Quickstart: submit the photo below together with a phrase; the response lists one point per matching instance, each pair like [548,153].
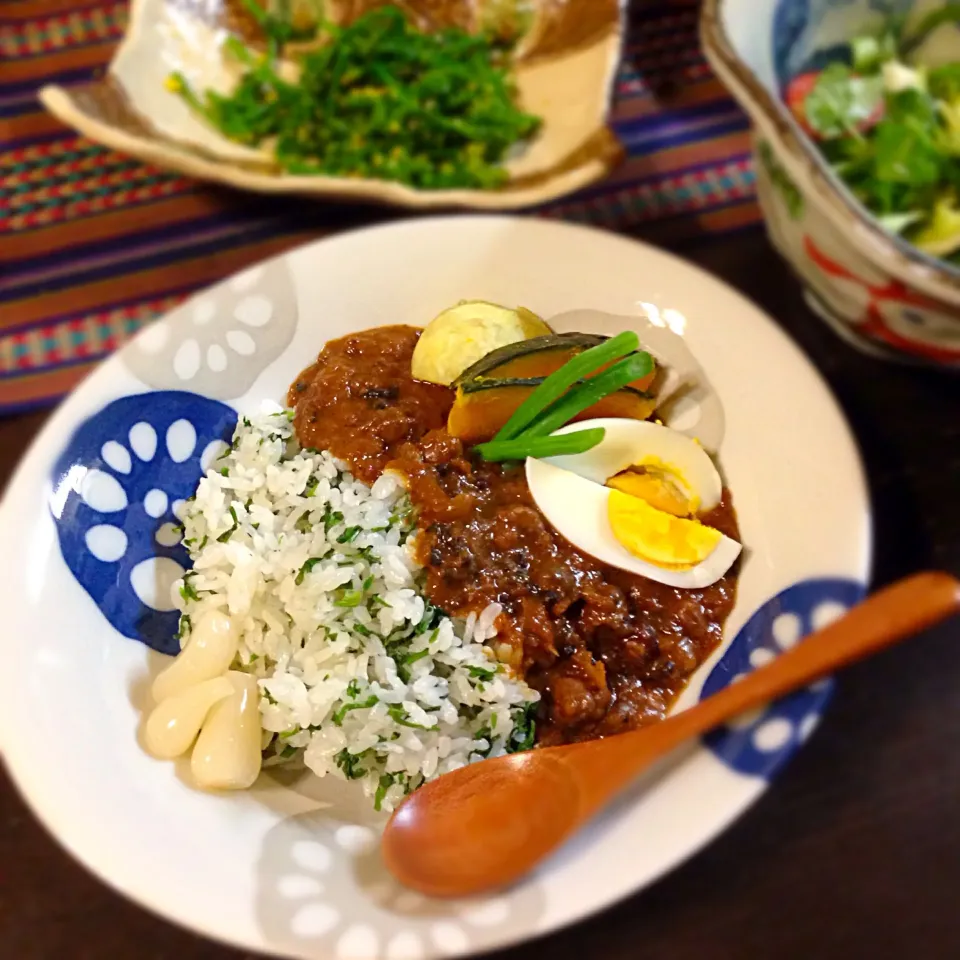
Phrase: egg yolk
[658,536]
[661,484]
[657,490]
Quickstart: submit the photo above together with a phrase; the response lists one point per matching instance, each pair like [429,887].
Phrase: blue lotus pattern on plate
[759,743]
[115,491]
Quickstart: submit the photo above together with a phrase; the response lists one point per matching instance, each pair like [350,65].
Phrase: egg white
[626,442]
[571,493]
[577,509]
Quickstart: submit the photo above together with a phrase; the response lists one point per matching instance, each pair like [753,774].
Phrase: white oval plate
[292,868]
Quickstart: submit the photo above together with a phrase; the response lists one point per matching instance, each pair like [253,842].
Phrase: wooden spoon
[487,824]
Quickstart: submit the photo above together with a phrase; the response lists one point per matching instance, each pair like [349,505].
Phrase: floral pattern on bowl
[875,290]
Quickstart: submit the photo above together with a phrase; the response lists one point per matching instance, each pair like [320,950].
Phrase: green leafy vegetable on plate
[375,99]
[889,124]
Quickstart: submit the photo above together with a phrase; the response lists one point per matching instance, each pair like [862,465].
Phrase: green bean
[569,443]
[588,393]
[561,380]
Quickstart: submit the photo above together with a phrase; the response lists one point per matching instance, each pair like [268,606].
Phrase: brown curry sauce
[608,650]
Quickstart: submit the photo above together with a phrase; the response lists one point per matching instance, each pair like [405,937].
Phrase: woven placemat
[94,244]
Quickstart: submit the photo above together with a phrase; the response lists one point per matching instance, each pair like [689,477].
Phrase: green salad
[889,124]
[375,99]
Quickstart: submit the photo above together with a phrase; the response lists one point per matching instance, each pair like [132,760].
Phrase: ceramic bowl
[565,71]
[877,291]
[291,867]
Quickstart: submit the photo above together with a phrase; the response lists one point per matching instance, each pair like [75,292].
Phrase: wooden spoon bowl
[487,824]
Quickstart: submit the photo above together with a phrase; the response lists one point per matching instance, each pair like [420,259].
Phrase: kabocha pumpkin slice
[533,357]
[537,357]
[483,406]
[462,335]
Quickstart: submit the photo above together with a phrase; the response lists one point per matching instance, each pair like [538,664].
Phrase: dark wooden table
[853,853]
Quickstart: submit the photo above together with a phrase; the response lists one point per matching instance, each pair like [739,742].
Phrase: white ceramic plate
[292,868]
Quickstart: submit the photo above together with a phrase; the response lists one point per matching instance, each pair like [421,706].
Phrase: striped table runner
[94,244]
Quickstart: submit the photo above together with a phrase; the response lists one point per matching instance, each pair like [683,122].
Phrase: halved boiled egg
[632,502]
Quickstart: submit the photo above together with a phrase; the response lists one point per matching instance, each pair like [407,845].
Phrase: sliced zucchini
[483,405]
[460,336]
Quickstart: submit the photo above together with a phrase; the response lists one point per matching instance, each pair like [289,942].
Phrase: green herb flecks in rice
[361,678]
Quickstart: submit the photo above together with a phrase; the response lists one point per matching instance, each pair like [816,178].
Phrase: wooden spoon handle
[485,825]
[890,615]
[901,610]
